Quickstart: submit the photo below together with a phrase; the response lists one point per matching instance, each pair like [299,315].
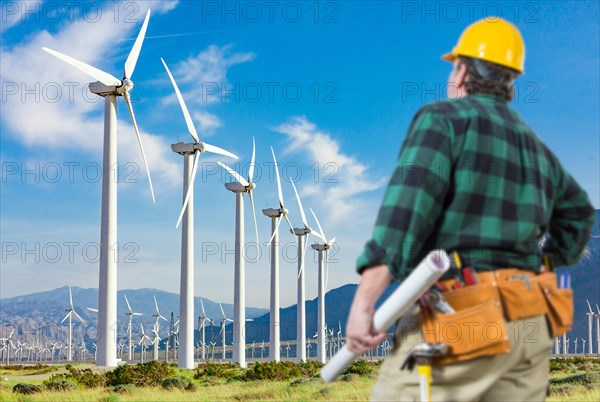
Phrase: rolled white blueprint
[413,287]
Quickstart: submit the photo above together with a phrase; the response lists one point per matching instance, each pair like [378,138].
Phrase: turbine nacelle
[301,231]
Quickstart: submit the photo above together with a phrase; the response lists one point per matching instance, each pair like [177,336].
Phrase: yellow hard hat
[491,39]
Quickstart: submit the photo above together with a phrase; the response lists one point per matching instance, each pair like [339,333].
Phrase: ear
[461,75]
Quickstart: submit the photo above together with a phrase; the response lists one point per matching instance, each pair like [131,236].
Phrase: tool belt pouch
[477,328]
[522,299]
[559,304]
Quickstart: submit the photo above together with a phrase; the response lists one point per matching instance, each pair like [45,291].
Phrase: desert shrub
[85,378]
[349,377]
[226,370]
[150,374]
[124,388]
[299,382]
[35,367]
[26,389]
[281,371]
[179,382]
[109,398]
[60,385]
[360,367]
[563,390]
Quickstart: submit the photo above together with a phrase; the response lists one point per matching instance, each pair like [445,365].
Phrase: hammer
[423,354]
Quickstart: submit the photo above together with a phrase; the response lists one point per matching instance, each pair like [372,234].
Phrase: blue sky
[332,86]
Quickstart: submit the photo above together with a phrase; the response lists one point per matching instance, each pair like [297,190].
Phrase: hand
[360,334]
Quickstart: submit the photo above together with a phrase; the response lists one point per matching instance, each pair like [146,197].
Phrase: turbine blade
[299,204]
[94,310]
[251,168]
[276,230]
[279,193]
[184,109]
[70,297]
[67,316]
[202,305]
[142,328]
[162,318]
[321,233]
[217,150]
[137,47]
[254,217]
[137,313]
[190,188]
[289,223]
[589,306]
[139,138]
[235,174]
[330,242]
[105,78]
[128,305]
[156,305]
[77,315]
[222,312]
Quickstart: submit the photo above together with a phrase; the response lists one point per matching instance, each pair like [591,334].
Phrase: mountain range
[41,312]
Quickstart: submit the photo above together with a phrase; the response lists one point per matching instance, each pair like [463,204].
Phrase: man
[472,177]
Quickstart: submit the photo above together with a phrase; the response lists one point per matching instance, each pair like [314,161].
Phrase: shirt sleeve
[414,197]
[571,222]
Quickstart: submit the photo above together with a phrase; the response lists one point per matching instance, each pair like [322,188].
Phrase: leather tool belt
[478,325]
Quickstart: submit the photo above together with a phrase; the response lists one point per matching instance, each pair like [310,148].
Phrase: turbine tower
[239,285]
[110,87]
[590,328]
[224,322]
[191,153]
[275,214]
[322,249]
[302,234]
[202,327]
[157,316]
[597,330]
[70,313]
[130,313]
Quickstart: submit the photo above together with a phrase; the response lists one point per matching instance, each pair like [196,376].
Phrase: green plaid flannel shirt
[473,177]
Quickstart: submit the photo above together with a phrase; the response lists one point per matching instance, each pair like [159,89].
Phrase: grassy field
[572,379]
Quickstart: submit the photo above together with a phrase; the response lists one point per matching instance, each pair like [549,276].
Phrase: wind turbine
[322,248]
[156,328]
[110,87]
[70,312]
[239,284]
[202,327]
[130,314]
[224,321]
[191,154]
[590,327]
[598,330]
[275,214]
[8,343]
[302,234]
[142,343]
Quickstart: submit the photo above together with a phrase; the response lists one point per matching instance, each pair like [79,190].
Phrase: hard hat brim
[449,57]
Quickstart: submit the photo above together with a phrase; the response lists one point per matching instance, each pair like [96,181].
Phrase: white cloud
[208,123]
[46,103]
[202,78]
[14,12]
[349,178]
[207,71]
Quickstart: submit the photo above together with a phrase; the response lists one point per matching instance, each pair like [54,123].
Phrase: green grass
[574,379]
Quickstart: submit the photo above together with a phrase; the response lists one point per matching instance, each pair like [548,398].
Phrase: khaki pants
[521,375]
